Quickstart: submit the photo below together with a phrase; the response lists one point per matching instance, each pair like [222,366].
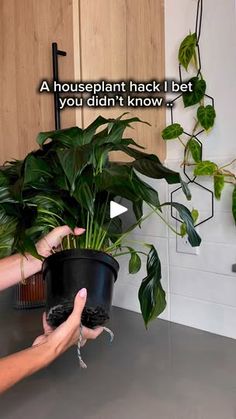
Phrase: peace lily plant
[70,180]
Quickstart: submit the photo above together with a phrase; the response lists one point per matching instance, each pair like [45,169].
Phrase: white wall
[201,290]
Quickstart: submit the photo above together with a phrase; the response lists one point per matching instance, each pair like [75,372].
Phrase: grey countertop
[167,372]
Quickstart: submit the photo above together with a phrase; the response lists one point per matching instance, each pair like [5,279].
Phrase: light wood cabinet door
[104,39]
[27,30]
[122,40]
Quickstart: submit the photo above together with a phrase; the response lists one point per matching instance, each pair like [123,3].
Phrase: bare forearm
[16,367]
[12,267]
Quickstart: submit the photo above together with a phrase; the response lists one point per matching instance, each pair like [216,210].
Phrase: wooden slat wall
[27,29]
[104,39]
[124,39]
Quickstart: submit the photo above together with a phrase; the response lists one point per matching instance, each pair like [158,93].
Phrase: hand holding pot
[68,333]
[53,239]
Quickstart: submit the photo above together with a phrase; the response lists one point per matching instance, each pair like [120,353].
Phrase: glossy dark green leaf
[145,191]
[134,262]
[117,179]
[154,169]
[69,137]
[172,131]
[151,294]
[73,161]
[193,97]
[195,149]
[219,183]
[234,203]
[186,50]
[35,169]
[206,116]
[205,168]
[185,215]
[89,132]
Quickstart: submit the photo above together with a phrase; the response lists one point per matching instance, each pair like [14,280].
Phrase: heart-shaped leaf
[134,262]
[186,50]
[206,116]
[193,97]
[172,131]
[205,168]
[195,149]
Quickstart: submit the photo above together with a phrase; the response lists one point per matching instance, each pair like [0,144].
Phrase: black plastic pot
[68,271]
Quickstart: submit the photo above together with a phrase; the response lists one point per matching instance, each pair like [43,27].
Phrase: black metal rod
[55,53]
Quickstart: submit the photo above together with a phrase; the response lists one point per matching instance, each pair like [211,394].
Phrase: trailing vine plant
[189,57]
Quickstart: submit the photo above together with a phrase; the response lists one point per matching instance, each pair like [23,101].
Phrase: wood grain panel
[121,40]
[27,29]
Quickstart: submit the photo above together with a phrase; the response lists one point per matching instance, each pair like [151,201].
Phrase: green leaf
[8,225]
[69,137]
[145,191]
[172,131]
[195,149]
[197,93]
[151,294]
[5,195]
[84,196]
[185,215]
[219,183]
[206,116]
[134,262]
[117,179]
[73,161]
[186,50]
[151,167]
[35,168]
[234,203]
[88,133]
[138,209]
[195,215]
[186,190]
[183,229]
[205,168]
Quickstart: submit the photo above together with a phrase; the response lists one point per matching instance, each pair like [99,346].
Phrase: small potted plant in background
[70,180]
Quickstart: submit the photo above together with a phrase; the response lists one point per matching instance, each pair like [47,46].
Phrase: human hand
[68,333]
[53,239]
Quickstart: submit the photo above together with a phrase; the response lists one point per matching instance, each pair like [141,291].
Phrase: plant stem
[166,222]
[181,141]
[228,164]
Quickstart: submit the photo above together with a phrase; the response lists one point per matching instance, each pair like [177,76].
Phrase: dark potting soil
[91,317]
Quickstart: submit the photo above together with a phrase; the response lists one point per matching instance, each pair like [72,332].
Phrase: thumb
[79,303]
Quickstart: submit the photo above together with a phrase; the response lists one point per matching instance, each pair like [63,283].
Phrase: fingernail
[83,292]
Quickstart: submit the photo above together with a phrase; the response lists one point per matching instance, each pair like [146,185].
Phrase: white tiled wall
[201,289]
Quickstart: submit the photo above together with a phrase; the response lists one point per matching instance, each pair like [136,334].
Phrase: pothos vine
[189,57]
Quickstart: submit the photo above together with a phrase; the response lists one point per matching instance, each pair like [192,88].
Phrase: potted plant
[70,180]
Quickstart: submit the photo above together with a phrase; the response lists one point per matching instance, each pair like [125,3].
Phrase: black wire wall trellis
[198,30]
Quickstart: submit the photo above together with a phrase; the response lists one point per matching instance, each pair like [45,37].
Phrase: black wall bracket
[55,53]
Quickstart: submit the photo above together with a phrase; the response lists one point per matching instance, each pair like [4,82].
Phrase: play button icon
[116,209]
